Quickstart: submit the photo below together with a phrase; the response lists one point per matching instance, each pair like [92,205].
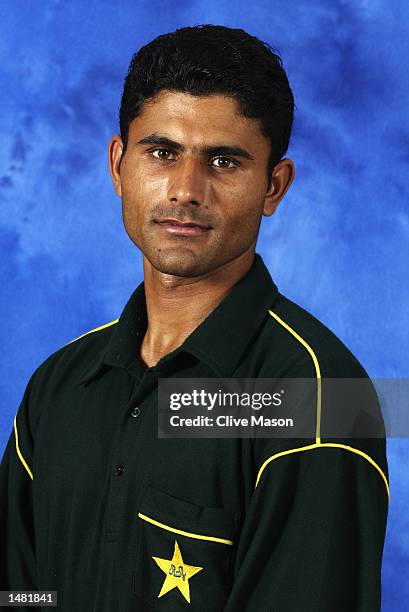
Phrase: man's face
[193,182]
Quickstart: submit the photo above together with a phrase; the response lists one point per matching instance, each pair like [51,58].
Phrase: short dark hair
[212,59]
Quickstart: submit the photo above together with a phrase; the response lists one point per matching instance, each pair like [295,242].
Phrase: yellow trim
[317,371]
[318,443]
[23,461]
[185,533]
[95,329]
[321,445]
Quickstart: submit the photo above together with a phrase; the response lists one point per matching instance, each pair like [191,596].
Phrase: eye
[162,154]
[223,159]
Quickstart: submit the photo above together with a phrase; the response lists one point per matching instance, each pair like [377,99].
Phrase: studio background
[338,244]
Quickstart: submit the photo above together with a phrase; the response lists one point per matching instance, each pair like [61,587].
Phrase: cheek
[131,180]
[139,176]
[244,212]
[135,190]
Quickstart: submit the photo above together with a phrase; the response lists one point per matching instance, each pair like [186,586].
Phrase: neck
[177,305]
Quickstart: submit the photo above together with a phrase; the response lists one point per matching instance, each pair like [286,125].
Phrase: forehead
[197,119]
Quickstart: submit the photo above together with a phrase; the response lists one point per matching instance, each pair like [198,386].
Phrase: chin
[179,263]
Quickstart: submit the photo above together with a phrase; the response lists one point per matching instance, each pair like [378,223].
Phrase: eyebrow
[156,139]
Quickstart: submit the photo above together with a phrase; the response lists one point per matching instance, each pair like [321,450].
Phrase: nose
[187,182]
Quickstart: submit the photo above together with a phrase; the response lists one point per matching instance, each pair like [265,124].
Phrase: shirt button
[120,470]
[136,412]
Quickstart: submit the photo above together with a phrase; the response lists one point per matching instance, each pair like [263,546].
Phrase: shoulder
[296,336]
[303,346]
[59,374]
[94,330]
[65,366]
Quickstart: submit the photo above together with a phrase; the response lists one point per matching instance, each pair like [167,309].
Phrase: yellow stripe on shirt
[351,449]
[23,461]
[94,330]
[317,370]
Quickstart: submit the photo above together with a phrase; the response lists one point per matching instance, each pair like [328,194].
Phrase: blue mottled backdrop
[338,244]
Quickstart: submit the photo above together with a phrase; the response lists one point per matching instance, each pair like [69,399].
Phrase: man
[94,504]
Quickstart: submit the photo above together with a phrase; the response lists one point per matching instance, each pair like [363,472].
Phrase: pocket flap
[178,515]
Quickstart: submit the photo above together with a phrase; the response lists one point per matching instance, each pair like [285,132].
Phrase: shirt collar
[223,338]
[220,340]
[123,344]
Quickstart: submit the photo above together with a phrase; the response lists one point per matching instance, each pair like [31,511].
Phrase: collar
[223,337]
[219,341]
[123,344]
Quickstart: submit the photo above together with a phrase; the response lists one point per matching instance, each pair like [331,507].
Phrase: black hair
[212,59]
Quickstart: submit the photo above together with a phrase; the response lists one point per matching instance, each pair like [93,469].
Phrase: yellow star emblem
[177,573]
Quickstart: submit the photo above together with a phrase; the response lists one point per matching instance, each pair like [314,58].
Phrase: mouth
[183,228]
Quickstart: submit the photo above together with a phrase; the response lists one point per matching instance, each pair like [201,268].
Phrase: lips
[184,223]
[183,228]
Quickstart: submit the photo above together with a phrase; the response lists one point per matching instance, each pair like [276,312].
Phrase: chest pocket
[184,554]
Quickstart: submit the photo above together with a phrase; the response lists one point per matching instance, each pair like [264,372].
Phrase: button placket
[118,481]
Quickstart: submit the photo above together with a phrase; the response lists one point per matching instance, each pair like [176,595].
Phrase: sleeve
[313,536]
[17,545]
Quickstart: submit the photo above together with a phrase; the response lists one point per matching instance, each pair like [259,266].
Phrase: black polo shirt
[95,506]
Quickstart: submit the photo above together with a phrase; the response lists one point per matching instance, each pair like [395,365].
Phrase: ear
[281,179]
[115,149]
